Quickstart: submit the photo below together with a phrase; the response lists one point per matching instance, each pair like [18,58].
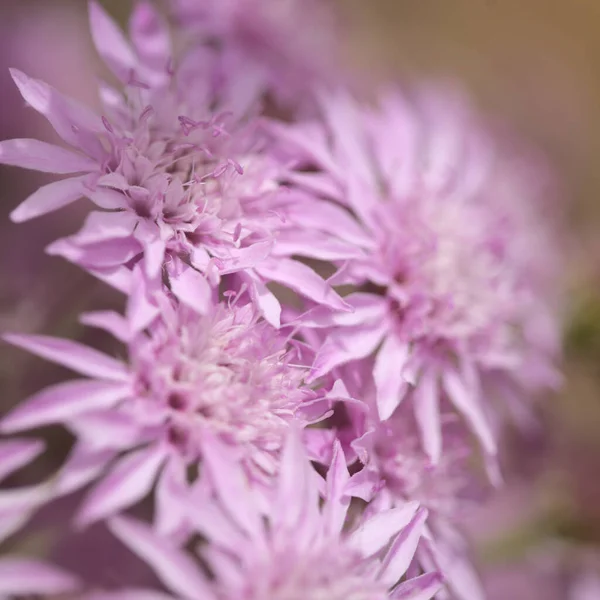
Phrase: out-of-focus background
[533,64]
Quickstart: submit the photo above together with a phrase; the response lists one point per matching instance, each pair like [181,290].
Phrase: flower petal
[110,43]
[16,453]
[302,279]
[346,344]
[403,549]
[26,576]
[376,532]
[40,156]
[192,289]
[423,587]
[469,407]
[427,414]
[129,481]
[388,373]
[71,354]
[176,570]
[48,198]
[63,402]
[67,116]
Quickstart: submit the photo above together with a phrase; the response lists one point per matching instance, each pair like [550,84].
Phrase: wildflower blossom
[297,548]
[184,185]
[457,258]
[228,372]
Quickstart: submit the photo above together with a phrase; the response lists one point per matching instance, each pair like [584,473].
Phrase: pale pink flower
[28,577]
[228,372]
[455,284]
[184,183]
[294,547]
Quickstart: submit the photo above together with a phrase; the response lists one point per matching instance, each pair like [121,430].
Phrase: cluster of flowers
[332,307]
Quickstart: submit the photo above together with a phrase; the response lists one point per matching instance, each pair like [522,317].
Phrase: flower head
[457,266]
[293,548]
[228,373]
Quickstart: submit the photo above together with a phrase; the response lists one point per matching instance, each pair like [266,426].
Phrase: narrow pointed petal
[337,501]
[127,483]
[388,373]
[110,43]
[19,577]
[150,36]
[427,414]
[48,198]
[403,549]
[231,484]
[15,454]
[377,531]
[40,156]
[176,570]
[63,402]
[302,279]
[193,290]
[423,587]
[73,355]
[266,301]
[67,116]
[109,321]
[469,407]
[345,345]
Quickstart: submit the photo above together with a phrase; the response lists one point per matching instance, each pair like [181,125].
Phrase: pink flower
[291,548]
[279,49]
[455,291]
[184,184]
[228,372]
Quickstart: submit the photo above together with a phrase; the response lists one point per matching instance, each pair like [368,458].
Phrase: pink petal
[265,300]
[63,402]
[326,216]
[388,373]
[403,549]
[337,501]
[171,491]
[150,36]
[40,156]
[83,465]
[27,576]
[110,429]
[109,321]
[141,311]
[231,484]
[102,226]
[247,258]
[110,43]
[301,279]
[18,504]
[127,483]
[424,587]
[106,254]
[345,345]
[48,198]
[16,453]
[176,570]
[376,532]
[73,355]
[367,308]
[154,254]
[67,116]
[427,414]
[296,490]
[469,407]
[193,290]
